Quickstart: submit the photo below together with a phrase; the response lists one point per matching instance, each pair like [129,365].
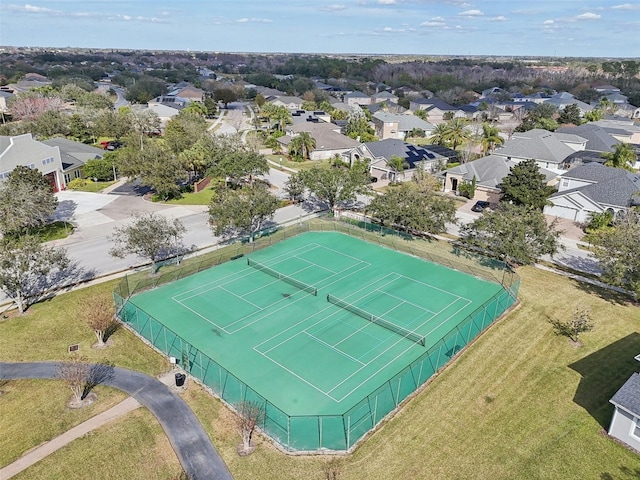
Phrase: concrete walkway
[192,445]
[67,437]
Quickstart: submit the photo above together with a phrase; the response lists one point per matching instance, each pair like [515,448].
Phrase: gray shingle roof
[612,186]
[537,144]
[412,154]
[405,122]
[598,140]
[628,397]
[74,154]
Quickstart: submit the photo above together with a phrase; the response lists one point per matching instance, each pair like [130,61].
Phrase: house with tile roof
[384,96]
[594,188]
[356,98]
[288,101]
[391,125]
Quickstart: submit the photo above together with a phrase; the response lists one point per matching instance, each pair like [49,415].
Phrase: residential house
[74,155]
[488,172]
[287,101]
[380,153]
[390,125]
[537,98]
[594,188]
[437,109]
[384,96]
[163,111]
[356,98]
[622,129]
[188,93]
[329,141]
[24,150]
[598,142]
[385,107]
[564,99]
[625,423]
[4,103]
[543,146]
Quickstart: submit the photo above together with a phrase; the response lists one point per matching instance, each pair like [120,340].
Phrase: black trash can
[180,378]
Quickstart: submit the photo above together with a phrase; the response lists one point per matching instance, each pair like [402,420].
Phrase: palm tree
[490,138]
[302,145]
[439,135]
[622,156]
[398,164]
[457,132]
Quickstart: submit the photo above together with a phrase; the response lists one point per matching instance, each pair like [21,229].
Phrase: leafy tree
[28,269]
[100,168]
[413,208]
[422,114]
[243,210]
[50,124]
[515,233]
[335,186]
[617,251]
[439,135]
[570,114]
[225,95]
[468,189]
[301,146]
[235,160]
[155,165]
[594,115]
[398,164]
[525,185]
[145,88]
[295,188]
[260,100]
[358,125]
[195,108]
[150,236]
[580,323]
[113,123]
[30,105]
[490,138]
[540,117]
[598,221]
[622,156]
[309,105]
[26,201]
[184,130]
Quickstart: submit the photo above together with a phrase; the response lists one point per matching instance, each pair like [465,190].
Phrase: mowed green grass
[519,403]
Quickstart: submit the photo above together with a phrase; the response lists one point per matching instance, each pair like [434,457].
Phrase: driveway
[199,459]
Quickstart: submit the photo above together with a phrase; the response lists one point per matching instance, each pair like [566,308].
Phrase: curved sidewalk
[199,459]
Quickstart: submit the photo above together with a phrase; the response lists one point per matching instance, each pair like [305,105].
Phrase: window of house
[635,429]
[67,178]
[565,182]
[32,166]
[76,174]
[47,161]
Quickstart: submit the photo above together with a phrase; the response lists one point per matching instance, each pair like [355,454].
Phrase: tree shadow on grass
[612,295]
[98,373]
[603,373]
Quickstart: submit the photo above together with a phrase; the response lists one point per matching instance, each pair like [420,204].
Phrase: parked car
[480,206]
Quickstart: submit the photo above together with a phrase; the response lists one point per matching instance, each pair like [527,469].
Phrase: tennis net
[419,339]
[281,276]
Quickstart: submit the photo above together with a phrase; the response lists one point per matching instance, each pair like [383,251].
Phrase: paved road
[199,459]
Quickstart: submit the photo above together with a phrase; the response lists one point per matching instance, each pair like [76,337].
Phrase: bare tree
[75,373]
[99,314]
[235,119]
[250,415]
[581,322]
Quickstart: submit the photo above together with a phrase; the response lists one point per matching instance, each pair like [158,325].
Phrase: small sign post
[74,348]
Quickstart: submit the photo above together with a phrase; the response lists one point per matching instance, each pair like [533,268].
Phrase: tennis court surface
[328,332]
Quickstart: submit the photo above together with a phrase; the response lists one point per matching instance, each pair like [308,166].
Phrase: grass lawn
[94,187]
[189,198]
[52,231]
[519,403]
[306,165]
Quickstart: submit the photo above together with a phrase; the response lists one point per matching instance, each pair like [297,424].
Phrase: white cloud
[471,13]
[548,22]
[125,17]
[627,6]
[333,8]
[437,19]
[36,9]
[253,20]
[588,16]
[432,24]
[499,18]
[387,2]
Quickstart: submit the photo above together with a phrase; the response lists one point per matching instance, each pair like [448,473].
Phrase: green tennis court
[315,326]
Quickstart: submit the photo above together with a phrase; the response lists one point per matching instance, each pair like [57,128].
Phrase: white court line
[241,298]
[332,347]
[404,301]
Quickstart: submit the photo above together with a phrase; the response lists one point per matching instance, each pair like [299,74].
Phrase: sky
[564,28]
